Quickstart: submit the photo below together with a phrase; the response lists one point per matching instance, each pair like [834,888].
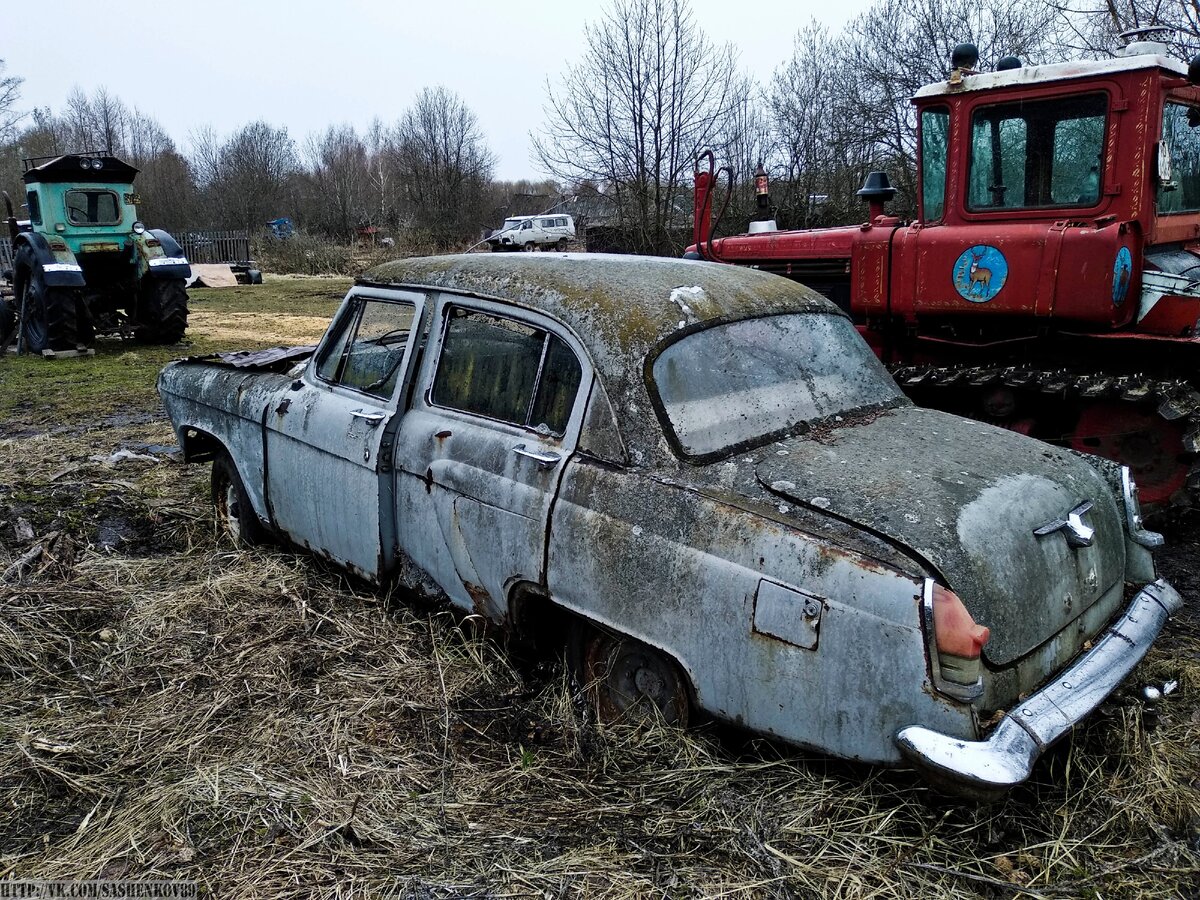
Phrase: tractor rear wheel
[8,324]
[162,312]
[49,315]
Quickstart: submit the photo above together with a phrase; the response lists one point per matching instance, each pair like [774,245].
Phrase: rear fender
[59,266]
[165,261]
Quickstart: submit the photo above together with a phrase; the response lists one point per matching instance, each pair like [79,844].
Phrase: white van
[533,232]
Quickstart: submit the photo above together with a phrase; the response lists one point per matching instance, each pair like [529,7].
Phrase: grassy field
[171,707]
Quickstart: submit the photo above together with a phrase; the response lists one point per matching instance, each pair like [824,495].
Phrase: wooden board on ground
[212,275]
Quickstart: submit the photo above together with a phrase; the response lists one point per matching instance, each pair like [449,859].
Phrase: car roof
[619,307]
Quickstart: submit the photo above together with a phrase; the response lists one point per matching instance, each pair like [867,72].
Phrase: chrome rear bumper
[1006,757]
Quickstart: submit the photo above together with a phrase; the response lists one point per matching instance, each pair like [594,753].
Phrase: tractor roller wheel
[162,312]
[235,515]
[1151,446]
[1149,425]
[49,316]
[626,680]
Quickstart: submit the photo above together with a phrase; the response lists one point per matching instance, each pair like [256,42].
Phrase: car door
[328,444]
[482,449]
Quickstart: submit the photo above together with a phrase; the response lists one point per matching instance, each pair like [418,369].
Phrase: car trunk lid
[967,497]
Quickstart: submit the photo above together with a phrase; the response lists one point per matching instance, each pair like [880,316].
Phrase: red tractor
[1050,282]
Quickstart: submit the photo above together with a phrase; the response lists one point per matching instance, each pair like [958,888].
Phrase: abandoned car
[705,474]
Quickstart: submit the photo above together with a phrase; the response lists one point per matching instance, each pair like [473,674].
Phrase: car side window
[506,370]
[369,349]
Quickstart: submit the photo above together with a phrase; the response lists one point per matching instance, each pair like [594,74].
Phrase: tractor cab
[84,205]
[1045,191]
[79,195]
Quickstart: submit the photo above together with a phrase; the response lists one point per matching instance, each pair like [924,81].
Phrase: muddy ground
[171,707]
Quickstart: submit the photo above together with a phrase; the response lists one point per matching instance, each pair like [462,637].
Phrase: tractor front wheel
[162,312]
[49,317]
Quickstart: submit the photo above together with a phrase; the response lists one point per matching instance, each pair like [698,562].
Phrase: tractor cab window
[935,135]
[93,207]
[1042,153]
[1179,160]
[34,202]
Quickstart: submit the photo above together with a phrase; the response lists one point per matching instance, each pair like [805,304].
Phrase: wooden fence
[215,246]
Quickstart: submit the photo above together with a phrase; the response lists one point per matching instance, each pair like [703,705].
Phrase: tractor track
[1173,401]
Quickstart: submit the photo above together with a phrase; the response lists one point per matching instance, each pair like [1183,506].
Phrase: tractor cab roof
[89,169]
[1037,75]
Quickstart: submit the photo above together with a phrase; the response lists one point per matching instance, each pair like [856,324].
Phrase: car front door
[483,448]
[328,443]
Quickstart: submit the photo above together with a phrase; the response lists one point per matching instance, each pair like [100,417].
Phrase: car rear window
[743,384]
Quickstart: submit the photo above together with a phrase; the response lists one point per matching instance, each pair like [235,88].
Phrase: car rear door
[482,449]
[328,444]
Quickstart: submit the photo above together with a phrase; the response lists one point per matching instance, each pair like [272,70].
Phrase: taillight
[956,643]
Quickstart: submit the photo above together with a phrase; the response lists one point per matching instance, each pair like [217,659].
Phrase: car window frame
[440,319]
[351,311]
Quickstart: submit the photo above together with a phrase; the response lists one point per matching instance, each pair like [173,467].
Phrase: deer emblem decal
[980,273]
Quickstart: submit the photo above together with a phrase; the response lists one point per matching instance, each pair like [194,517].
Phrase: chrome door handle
[371,418]
[544,460]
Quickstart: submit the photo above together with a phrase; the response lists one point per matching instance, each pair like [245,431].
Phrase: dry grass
[172,707]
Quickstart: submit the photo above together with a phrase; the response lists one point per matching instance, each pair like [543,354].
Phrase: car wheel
[529,247]
[626,680]
[235,515]
[561,246]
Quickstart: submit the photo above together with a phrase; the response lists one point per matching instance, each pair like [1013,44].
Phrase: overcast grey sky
[309,63]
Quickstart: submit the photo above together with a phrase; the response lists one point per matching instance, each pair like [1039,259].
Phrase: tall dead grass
[175,708]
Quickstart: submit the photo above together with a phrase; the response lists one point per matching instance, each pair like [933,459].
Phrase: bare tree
[875,83]
[444,165]
[10,93]
[649,93]
[245,179]
[1093,27]
[338,171]
[745,141]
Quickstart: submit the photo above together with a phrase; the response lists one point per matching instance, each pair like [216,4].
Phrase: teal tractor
[84,265]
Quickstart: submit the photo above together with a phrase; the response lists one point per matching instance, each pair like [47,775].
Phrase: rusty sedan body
[707,474]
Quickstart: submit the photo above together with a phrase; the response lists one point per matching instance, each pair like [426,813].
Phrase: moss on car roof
[628,303]
[620,307]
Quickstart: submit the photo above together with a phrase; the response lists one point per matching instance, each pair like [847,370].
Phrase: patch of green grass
[316,296]
[120,378]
